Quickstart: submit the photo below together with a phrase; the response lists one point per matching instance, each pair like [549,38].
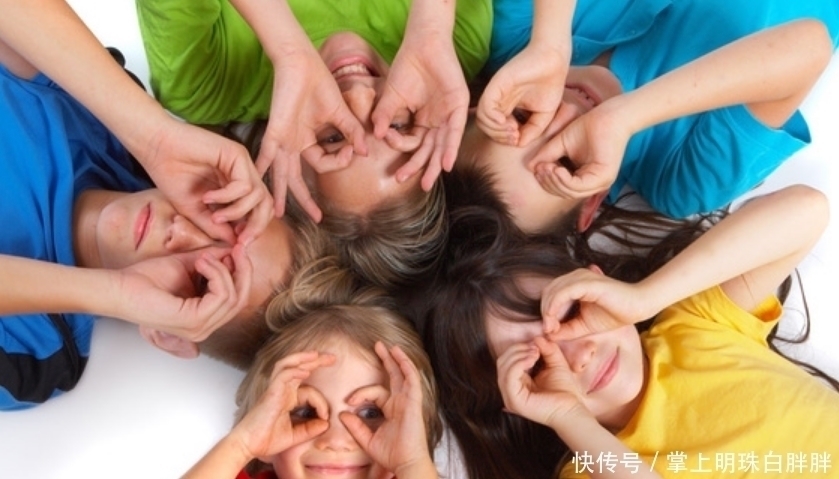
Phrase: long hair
[325,302]
[485,256]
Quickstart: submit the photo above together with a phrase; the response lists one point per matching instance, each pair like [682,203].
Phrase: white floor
[139,413]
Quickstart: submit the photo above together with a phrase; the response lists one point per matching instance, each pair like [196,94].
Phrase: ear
[589,210]
[595,268]
[170,343]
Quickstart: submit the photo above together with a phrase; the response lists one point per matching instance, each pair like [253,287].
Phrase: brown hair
[326,301]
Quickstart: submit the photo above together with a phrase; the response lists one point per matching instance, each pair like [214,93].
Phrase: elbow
[818,43]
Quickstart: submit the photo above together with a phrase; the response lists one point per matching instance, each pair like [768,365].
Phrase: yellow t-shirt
[720,403]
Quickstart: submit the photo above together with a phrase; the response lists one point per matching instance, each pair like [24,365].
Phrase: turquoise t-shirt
[696,163]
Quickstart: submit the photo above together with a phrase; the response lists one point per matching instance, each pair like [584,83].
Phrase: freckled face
[368,181]
[608,366]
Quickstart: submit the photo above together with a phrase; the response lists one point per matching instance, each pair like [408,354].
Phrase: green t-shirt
[208,67]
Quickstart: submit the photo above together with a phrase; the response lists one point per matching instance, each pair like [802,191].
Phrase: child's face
[368,180]
[335,453]
[132,227]
[532,208]
[608,366]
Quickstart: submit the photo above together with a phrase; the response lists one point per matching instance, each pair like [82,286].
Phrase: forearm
[422,470]
[275,25]
[552,24]
[224,461]
[772,232]
[33,286]
[770,72]
[583,434]
[431,16]
[34,28]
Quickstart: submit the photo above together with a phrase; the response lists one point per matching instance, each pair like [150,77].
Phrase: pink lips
[606,373]
[587,92]
[339,64]
[141,226]
[335,469]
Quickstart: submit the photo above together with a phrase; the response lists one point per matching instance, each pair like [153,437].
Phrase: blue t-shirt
[696,163]
[51,149]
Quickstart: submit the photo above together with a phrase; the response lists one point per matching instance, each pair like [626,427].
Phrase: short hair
[394,244]
[236,342]
[326,301]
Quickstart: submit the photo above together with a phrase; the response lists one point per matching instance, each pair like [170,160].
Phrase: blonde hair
[325,302]
[397,242]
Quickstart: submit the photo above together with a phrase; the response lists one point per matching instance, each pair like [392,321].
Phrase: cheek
[288,464]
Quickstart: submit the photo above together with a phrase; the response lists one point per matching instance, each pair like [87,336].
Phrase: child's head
[487,295]
[533,209]
[128,228]
[327,309]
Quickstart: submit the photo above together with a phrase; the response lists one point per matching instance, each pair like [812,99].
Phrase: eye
[521,116]
[537,368]
[371,414]
[572,312]
[569,165]
[200,284]
[402,124]
[303,413]
[330,139]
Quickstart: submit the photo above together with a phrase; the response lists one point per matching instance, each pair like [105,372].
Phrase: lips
[352,66]
[586,94]
[606,373]
[141,225]
[335,470]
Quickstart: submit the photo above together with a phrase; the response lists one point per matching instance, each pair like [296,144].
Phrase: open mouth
[585,94]
[353,67]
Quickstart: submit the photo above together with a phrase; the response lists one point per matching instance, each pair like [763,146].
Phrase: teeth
[353,69]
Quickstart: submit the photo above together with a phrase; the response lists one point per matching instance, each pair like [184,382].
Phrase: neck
[86,213]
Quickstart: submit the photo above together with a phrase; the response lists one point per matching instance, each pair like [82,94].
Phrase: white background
[139,413]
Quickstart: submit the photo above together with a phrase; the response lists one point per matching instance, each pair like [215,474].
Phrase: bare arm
[190,165]
[748,253]
[770,72]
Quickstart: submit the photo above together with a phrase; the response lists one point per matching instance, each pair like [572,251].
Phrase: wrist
[421,468]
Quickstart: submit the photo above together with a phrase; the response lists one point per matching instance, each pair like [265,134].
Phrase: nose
[182,235]
[360,98]
[578,353]
[336,437]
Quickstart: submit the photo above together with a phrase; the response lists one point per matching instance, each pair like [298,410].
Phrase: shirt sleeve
[206,63]
[703,162]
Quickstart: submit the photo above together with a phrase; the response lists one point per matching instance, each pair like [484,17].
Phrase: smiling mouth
[353,67]
[335,470]
[585,94]
[605,375]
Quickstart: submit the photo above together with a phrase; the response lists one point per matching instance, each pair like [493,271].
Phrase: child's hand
[547,397]
[604,304]
[426,79]
[267,429]
[195,168]
[189,295]
[533,81]
[399,443]
[595,143]
[306,100]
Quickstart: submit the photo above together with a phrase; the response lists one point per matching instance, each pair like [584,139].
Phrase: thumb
[535,126]
[357,429]
[384,112]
